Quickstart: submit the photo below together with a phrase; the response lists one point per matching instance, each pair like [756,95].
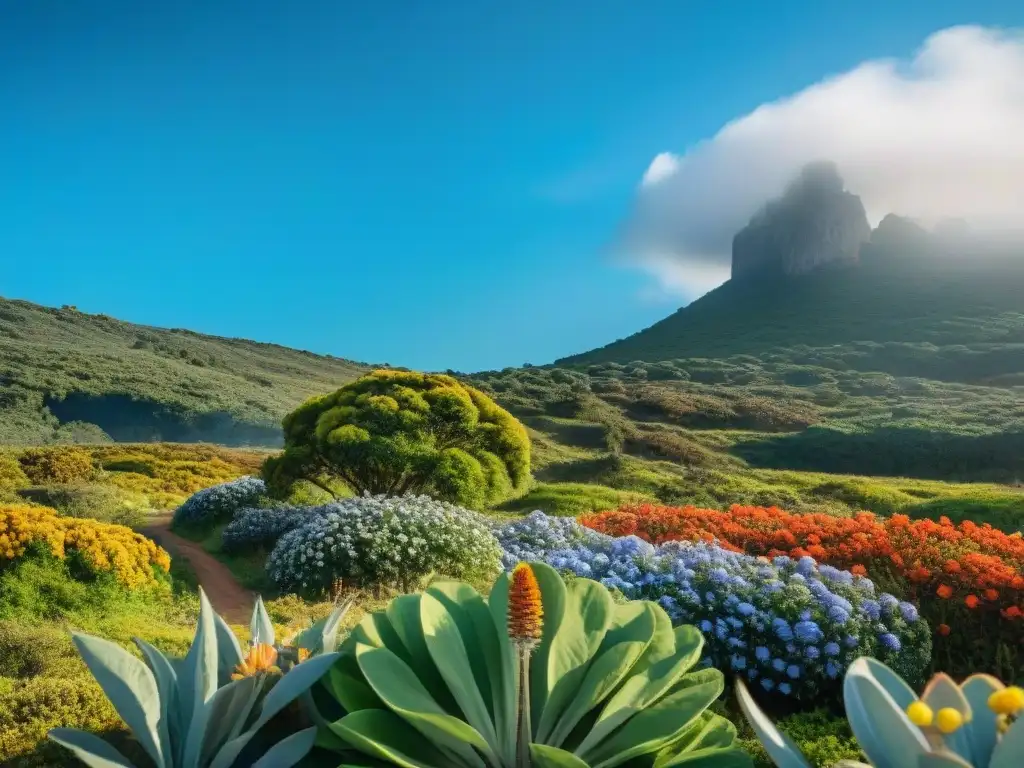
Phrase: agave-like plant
[203,711]
[540,674]
[972,725]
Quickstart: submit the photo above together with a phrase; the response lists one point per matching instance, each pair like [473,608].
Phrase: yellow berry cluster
[946,720]
[105,547]
[1007,703]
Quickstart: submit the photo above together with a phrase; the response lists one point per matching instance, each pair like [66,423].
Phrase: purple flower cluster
[790,626]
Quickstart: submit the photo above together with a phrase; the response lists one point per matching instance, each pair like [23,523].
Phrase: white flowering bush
[261,527]
[384,541]
[220,502]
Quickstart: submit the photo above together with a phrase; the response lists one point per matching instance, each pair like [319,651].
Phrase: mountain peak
[814,222]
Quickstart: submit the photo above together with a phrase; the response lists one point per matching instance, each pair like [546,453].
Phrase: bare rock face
[815,222]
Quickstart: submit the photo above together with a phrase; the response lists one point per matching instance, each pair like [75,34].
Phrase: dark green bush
[37,649]
[822,737]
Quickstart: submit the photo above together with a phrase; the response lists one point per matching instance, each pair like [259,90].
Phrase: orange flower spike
[944,591]
[525,611]
[971,601]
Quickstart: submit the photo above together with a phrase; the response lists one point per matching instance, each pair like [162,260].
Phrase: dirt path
[227,596]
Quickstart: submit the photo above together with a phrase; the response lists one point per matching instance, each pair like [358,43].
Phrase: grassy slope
[887,298]
[176,375]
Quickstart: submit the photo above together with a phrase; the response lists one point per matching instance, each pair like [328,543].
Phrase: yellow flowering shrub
[103,547]
[167,474]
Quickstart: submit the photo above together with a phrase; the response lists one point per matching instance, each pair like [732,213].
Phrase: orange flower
[944,591]
[943,629]
[261,659]
[525,611]
[859,570]
[1013,612]
[991,594]
[971,601]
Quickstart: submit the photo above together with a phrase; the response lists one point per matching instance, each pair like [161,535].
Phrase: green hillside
[950,319]
[66,376]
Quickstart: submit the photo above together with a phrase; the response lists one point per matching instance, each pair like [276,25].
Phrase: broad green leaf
[226,714]
[893,684]
[472,618]
[89,748]
[197,673]
[644,688]
[657,725]
[297,681]
[557,619]
[383,734]
[631,622]
[545,756]
[444,640]
[1009,753]
[590,609]
[605,673]
[882,729]
[402,692]
[261,629]
[981,731]
[289,751]
[404,615]
[229,652]
[130,686]
[167,685]
[346,684]
[332,626]
[709,731]
[505,694]
[663,642]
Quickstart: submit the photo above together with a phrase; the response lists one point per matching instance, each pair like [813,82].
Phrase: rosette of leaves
[433,681]
[972,725]
[207,709]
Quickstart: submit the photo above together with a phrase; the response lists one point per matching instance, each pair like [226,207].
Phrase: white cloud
[940,135]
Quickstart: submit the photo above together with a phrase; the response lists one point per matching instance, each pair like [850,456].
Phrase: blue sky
[431,184]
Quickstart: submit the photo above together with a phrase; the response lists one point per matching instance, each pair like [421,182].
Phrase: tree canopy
[395,432]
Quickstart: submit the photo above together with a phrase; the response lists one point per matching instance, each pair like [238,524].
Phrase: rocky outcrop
[815,222]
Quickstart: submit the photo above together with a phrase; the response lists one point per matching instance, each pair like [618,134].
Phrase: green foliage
[431,681]
[89,500]
[74,377]
[892,297]
[39,585]
[31,707]
[56,465]
[876,700]
[395,432]
[572,499]
[12,476]
[198,711]
[822,738]
[31,650]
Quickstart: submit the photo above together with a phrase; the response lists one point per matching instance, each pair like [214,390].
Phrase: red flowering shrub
[969,577]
